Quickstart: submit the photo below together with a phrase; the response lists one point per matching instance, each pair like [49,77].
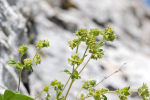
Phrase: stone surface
[47,20]
[12,34]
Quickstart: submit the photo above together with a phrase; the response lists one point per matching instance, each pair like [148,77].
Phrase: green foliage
[144,92]
[23,49]
[99,94]
[10,95]
[42,44]
[75,60]
[12,62]
[58,87]
[37,59]
[93,51]
[108,34]
[89,84]
[74,43]
[27,64]
[123,93]
[75,75]
[1,97]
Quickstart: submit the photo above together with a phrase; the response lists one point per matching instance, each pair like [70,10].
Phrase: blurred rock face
[46,19]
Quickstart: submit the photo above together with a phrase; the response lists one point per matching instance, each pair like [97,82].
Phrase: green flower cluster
[46,89]
[75,60]
[144,92]
[123,93]
[23,49]
[42,44]
[89,84]
[58,87]
[108,34]
[89,38]
[97,94]
[28,62]
[37,59]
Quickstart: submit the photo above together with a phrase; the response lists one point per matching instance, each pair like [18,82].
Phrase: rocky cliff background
[27,21]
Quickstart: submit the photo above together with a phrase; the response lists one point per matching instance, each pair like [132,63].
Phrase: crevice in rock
[67,26]
[31,27]
[108,45]
[66,5]
[25,79]
[101,24]
[125,78]
[103,67]
[111,88]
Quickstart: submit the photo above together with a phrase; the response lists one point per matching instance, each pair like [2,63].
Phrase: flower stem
[85,65]
[19,80]
[69,88]
[39,94]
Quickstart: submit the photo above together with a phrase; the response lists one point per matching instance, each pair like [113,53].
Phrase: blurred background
[27,21]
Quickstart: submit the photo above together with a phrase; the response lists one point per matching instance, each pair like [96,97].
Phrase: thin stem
[82,57]
[73,71]
[66,83]
[42,92]
[77,49]
[85,52]
[107,77]
[85,65]
[39,94]
[19,80]
[69,89]
[20,71]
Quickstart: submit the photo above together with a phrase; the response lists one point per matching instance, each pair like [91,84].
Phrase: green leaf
[12,62]
[1,97]
[105,98]
[66,71]
[10,95]
[19,66]
[144,92]
[100,44]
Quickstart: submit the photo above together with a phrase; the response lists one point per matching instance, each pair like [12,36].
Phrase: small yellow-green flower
[23,49]
[42,44]
[37,59]
[28,62]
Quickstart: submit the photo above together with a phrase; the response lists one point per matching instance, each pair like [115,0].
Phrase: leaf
[21,97]
[19,66]
[1,97]
[10,95]
[105,98]
[11,62]
[66,71]
[100,44]
[29,67]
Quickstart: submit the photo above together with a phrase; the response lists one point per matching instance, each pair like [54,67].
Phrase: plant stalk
[69,88]
[85,65]
[39,94]
[19,80]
